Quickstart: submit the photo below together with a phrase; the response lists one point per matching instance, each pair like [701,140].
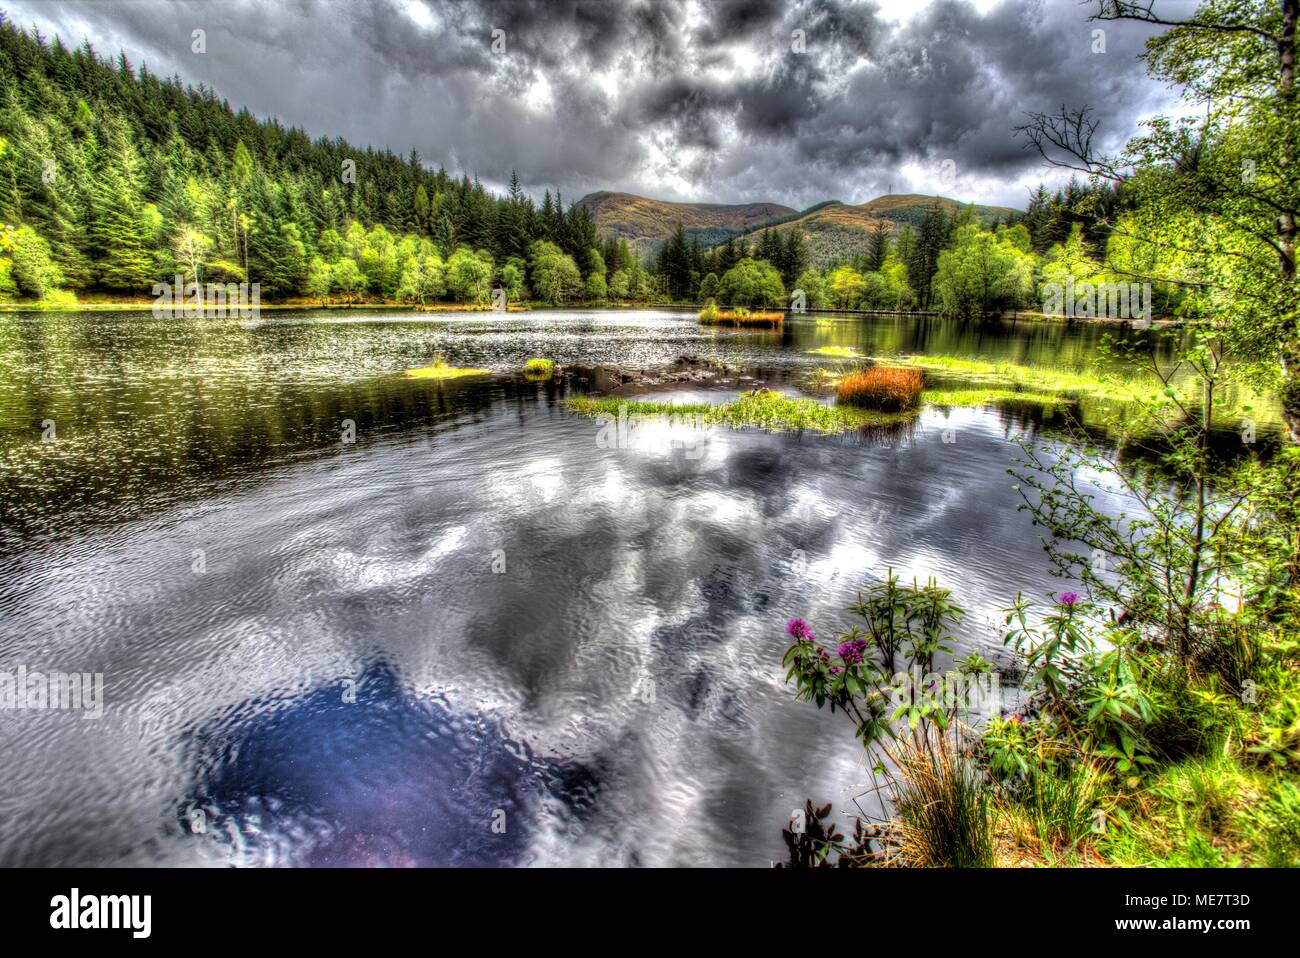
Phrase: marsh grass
[769,410]
[882,388]
[941,804]
[539,369]
[971,398]
[439,369]
[839,352]
[710,315]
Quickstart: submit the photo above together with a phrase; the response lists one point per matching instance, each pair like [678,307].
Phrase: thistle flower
[800,630]
[1069,598]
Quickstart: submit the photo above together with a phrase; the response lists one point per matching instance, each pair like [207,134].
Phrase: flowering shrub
[1090,694]
[856,674]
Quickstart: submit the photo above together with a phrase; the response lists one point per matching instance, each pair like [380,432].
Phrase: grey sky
[679,99]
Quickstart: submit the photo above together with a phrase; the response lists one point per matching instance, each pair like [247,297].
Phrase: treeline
[113,178]
[950,262]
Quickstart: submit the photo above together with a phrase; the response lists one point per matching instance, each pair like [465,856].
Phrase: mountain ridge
[833,228]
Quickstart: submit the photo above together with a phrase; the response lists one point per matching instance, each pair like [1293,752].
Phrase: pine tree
[119,237]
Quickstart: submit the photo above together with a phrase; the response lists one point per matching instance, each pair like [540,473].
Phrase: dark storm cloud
[679,98]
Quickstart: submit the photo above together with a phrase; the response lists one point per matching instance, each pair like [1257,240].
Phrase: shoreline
[129,305]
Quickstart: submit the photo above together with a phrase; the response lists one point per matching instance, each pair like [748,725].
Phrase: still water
[471,635]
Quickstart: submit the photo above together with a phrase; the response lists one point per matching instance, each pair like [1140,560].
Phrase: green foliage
[30,267]
[423,276]
[983,275]
[469,275]
[856,674]
[1090,689]
[554,275]
[752,283]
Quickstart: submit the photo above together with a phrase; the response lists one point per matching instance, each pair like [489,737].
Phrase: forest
[112,178]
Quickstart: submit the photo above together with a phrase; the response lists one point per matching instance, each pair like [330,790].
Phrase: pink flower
[800,630]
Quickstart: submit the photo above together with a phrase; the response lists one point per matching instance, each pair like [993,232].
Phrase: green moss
[769,410]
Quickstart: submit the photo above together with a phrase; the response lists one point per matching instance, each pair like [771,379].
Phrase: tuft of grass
[439,369]
[539,369]
[710,315]
[1065,803]
[767,410]
[942,805]
[884,388]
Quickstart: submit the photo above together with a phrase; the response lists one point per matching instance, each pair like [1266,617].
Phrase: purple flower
[1069,598]
[852,651]
[800,630]
[835,670]
[1014,717]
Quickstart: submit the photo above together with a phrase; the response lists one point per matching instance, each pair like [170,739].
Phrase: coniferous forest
[121,178]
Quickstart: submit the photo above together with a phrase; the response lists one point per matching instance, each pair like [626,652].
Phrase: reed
[941,804]
[882,388]
[710,315]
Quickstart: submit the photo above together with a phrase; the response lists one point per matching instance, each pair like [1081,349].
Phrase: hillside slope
[837,231]
[646,222]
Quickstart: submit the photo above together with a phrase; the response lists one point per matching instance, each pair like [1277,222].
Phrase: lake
[470,634]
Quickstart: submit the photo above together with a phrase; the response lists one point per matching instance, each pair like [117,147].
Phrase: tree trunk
[1286,230]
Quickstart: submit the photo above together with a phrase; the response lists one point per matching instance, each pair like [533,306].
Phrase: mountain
[835,230]
[645,223]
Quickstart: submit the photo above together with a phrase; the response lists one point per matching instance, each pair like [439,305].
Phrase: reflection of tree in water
[390,779]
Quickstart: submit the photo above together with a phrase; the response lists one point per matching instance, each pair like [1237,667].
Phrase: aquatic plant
[884,388]
[841,352]
[767,410]
[539,369]
[739,316]
[439,369]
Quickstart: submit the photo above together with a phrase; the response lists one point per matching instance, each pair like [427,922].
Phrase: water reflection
[614,686]
[365,771]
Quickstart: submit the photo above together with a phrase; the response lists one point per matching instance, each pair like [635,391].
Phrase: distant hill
[835,230]
[645,223]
